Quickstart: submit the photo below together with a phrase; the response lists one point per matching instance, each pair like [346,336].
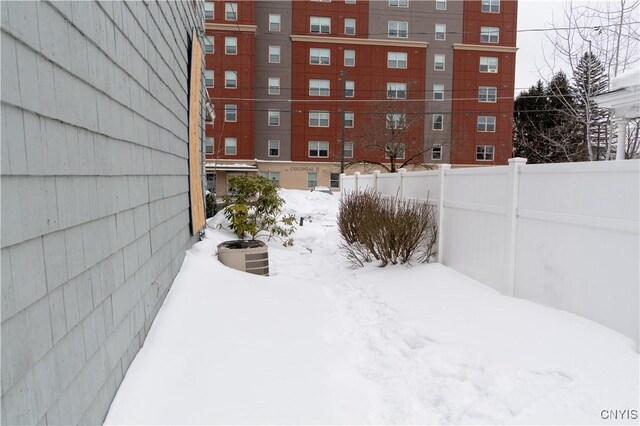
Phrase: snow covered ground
[321,342]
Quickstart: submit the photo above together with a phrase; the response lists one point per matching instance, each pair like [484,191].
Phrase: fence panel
[422,186]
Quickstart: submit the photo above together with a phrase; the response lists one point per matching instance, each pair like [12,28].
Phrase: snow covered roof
[624,96]
[231,167]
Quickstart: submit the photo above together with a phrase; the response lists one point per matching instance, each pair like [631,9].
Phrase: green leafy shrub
[210,204]
[386,229]
[254,209]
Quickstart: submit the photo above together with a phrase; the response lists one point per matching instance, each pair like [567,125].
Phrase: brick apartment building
[431,79]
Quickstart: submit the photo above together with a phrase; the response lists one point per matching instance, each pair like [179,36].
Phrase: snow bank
[321,342]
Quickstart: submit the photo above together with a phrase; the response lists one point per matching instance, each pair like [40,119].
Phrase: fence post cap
[402,170]
[357,173]
[517,160]
[343,174]
[377,172]
[444,166]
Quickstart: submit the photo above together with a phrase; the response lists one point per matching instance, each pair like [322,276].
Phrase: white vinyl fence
[562,235]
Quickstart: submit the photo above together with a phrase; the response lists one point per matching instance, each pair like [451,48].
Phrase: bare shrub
[386,229]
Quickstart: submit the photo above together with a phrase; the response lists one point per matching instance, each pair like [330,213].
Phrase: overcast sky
[531,45]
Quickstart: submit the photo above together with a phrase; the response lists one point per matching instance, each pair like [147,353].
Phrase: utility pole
[343,74]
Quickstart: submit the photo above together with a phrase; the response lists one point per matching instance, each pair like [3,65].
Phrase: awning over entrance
[238,167]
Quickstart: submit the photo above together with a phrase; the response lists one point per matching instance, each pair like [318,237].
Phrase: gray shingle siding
[95,195]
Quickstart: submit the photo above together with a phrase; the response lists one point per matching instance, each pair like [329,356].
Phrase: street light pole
[343,74]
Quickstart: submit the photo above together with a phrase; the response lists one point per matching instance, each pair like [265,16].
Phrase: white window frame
[321,23]
[274,54]
[319,118]
[435,120]
[487,152]
[348,150]
[441,4]
[208,139]
[440,32]
[209,44]
[319,56]
[489,35]
[396,120]
[350,29]
[212,10]
[318,148]
[231,113]
[273,89]
[436,152]
[487,98]
[231,11]
[230,43]
[227,74]
[436,61]
[395,30]
[490,64]
[398,3]
[271,142]
[349,57]
[397,61]
[273,117]
[322,87]
[349,1]
[438,92]
[490,6]
[349,119]
[275,22]
[228,145]
[334,179]
[312,179]
[396,90]
[349,89]
[207,74]
[486,124]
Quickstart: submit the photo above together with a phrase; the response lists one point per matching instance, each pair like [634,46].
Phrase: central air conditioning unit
[246,256]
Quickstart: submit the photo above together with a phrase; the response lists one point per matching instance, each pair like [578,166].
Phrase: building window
[274,85]
[208,78]
[349,119]
[349,1]
[272,176]
[319,87]
[231,11]
[319,56]
[348,150]
[396,120]
[397,59]
[491,6]
[436,152]
[441,31]
[437,122]
[230,79]
[349,58]
[489,34]
[231,45]
[488,64]
[398,29]
[486,123]
[438,62]
[349,26]
[209,46]
[230,146]
[487,94]
[335,179]
[274,54]
[320,25]
[318,149]
[274,148]
[484,152]
[398,3]
[208,145]
[231,113]
[318,118]
[349,88]
[396,90]
[274,23]
[398,149]
[274,117]
[441,4]
[438,92]
[208,10]
[312,179]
